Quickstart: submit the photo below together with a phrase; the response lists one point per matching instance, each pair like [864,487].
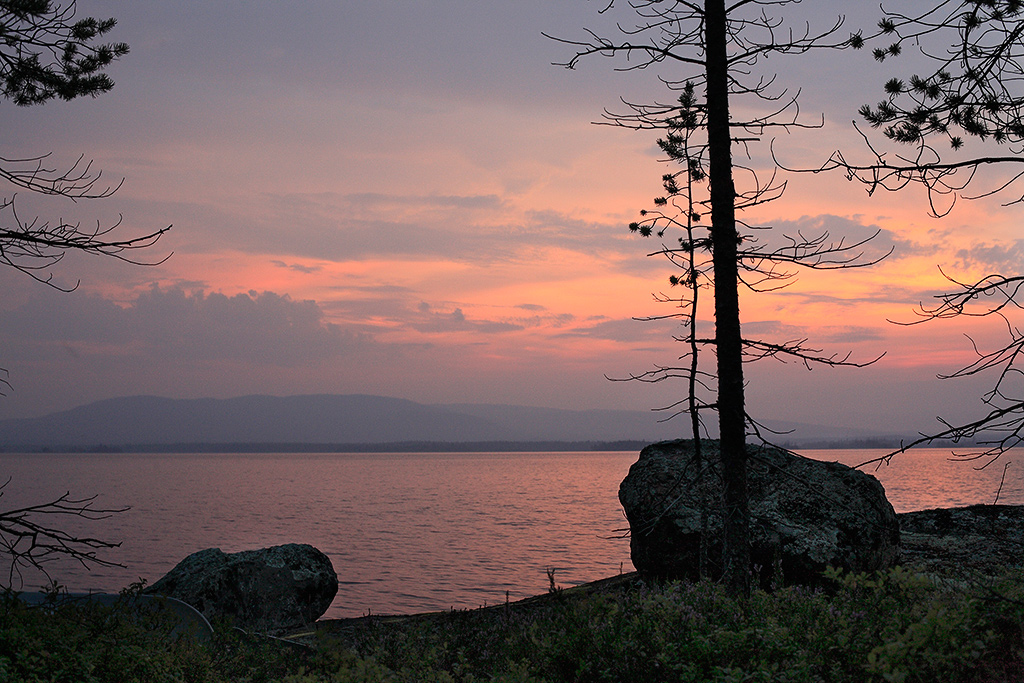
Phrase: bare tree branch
[34,247]
[47,53]
[31,541]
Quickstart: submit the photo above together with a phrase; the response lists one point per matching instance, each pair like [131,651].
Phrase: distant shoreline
[390,447]
[357,423]
[425,447]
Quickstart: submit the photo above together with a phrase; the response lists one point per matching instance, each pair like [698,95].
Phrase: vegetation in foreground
[895,626]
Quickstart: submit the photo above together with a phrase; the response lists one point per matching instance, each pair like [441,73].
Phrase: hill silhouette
[345,421]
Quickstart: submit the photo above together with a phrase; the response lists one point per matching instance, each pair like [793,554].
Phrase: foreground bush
[897,626]
[82,642]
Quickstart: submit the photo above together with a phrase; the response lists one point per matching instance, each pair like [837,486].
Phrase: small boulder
[806,515]
[272,589]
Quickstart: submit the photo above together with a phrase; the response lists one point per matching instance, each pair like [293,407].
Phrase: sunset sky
[406,198]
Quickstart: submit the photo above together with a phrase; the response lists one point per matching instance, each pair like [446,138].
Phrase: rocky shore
[805,516]
[967,544]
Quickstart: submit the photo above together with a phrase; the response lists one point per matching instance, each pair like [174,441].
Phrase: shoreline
[424,446]
[347,627]
[957,543]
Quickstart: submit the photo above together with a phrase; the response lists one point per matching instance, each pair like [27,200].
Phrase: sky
[411,199]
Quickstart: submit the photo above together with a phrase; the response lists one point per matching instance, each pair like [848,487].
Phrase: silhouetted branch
[29,542]
[1003,426]
[942,180]
[46,53]
[973,88]
[1006,424]
[34,247]
[77,182]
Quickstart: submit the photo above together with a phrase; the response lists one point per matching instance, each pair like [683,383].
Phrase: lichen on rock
[270,589]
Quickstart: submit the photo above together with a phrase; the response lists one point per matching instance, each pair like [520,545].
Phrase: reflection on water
[933,478]
[406,532]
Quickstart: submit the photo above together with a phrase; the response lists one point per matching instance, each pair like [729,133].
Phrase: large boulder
[806,515]
[271,589]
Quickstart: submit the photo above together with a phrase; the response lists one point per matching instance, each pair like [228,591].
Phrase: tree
[724,46]
[764,265]
[969,97]
[46,54]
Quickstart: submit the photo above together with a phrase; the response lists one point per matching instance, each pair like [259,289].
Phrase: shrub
[893,626]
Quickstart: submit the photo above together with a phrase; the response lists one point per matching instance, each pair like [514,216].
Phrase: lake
[405,532]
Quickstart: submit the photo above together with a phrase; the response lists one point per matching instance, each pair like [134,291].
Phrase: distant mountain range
[343,422]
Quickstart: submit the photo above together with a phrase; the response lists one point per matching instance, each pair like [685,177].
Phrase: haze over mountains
[337,420]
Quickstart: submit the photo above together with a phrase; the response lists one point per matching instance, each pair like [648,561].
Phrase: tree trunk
[728,341]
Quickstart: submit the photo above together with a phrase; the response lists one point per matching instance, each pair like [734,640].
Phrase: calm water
[406,532]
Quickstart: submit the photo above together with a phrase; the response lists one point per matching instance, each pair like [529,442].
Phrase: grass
[894,626]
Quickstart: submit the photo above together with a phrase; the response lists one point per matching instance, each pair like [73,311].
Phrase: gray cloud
[297,267]
[627,330]
[381,201]
[428,320]
[849,334]
[551,319]
[1006,259]
[474,228]
[444,317]
[885,293]
[174,324]
[777,331]
[845,231]
[368,47]
[353,227]
[258,327]
[194,65]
